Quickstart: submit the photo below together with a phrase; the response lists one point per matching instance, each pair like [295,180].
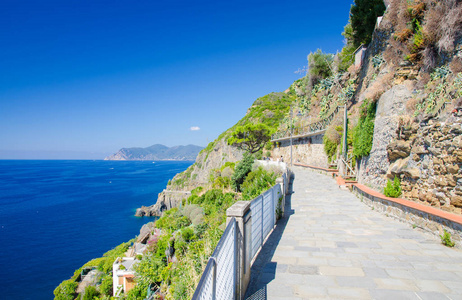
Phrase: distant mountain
[157,152]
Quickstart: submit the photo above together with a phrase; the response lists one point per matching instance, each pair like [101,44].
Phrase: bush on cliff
[393,189]
[256,183]
[319,66]
[66,290]
[363,133]
[242,169]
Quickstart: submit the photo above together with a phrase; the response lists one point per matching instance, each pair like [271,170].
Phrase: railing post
[280,180]
[241,212]
[214,278]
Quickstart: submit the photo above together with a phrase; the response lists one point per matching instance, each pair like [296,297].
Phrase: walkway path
[331,245]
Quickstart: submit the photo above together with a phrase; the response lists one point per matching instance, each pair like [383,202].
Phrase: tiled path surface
[332,246]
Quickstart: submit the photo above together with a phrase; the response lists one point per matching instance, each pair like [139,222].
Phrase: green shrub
[256,183]
[446,239]
[363,133]
[242,169]
[90,293]
[318,66]
[363,16]
[330,148]
[66,290]
[393,189]
[106,285]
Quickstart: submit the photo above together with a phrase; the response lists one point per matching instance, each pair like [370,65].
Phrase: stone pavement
[330,245]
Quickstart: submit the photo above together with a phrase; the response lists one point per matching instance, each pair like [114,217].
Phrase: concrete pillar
[284,187]
[242,213]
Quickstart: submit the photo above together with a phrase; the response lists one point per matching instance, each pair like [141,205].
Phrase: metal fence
[308,129]
[221,276]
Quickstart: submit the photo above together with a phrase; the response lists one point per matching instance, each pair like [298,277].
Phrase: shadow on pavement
[263,270]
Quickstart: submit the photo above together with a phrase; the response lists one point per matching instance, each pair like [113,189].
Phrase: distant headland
[157,152]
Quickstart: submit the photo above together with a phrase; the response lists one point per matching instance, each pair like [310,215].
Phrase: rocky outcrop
[206,161]
[165,201]
[145,232]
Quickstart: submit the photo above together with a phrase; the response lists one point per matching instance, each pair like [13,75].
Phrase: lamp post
[291,131]
[345,132]
[345,140]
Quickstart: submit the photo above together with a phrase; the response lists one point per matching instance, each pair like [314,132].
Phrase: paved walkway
[330,245]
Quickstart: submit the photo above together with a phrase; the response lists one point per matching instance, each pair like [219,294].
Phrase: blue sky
[92,77]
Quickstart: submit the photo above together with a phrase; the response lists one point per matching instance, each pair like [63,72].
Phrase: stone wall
[308,150]
[416,218]
[372,169]
[428,159]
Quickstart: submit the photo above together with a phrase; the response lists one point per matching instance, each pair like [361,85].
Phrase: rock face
[427,157]
[436,157]
[165,201]
[194,176]
[157,152]
[390,105]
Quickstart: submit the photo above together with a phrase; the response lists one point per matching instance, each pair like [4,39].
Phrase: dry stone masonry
[428,159]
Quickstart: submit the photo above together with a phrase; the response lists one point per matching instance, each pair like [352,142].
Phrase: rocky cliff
[268,109]
[412,73]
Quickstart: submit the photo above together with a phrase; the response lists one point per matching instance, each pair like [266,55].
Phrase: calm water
[57,215]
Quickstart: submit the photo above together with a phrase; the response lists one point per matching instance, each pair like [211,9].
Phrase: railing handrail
[312,127]
[212,263]
[217,271]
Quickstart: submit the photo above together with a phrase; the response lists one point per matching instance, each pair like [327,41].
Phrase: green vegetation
[242,169]
[257,182]
[268,110]
[181,179]
[90,293]
[393,189]
[330,148]
[66,290]
[346,56]
[364,131]
[446,239]
[250,137]
[319,66]
[363,16]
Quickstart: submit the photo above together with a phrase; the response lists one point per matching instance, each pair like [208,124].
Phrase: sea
[55,215]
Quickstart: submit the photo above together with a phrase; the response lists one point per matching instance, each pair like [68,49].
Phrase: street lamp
[291,131]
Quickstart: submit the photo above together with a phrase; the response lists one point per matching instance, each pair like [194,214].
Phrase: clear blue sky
[96,76]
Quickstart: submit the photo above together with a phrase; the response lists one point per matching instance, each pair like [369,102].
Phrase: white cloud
[194,128]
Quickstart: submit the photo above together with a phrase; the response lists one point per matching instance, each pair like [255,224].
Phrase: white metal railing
[237,248]
[219,278]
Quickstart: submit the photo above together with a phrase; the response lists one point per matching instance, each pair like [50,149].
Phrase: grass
[446,239]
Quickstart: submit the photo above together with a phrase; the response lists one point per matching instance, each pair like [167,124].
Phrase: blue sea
[55,215]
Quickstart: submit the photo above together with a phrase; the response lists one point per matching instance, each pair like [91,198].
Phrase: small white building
[123,275]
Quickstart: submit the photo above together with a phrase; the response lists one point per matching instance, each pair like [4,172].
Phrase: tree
[242,169]
[346,56]
[250,137]
[363,16]
[318,66]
